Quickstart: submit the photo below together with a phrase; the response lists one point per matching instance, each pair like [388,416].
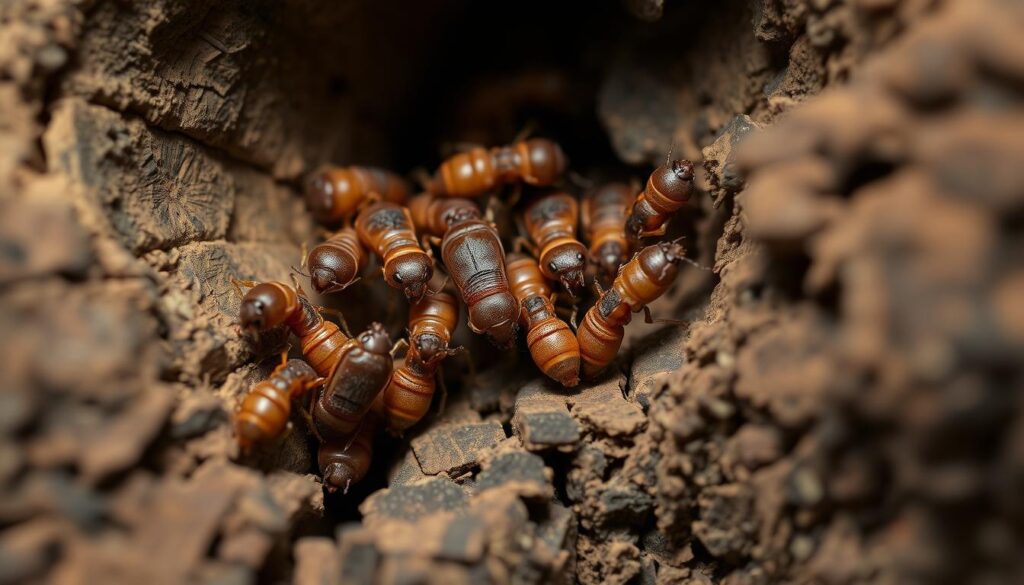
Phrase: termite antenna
[671,147]
[695,264]
[299,272]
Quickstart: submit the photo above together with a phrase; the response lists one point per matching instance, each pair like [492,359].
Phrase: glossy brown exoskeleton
[335,264]
[355,370]
[603,217]
[264,411]
[432,323]
[334,194]
[387,229]
[552,344]
[551,223]
[536,161]
[642,280]
[668,188]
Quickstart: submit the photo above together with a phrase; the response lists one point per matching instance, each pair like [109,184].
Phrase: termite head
[265,306]
[339,476]
[674,179]
[375,339]
[410,273]
[610,256]
[429,348]
[566,263]
[329,271]
[496,316]
[547,161]
[661,261]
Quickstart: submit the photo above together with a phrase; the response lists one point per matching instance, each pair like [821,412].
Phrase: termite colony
[351,383]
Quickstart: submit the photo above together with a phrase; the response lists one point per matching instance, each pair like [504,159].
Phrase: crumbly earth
[845,404]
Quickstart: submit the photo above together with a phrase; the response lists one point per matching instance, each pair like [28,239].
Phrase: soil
[844,405]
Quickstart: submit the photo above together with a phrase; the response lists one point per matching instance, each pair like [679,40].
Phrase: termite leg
[519,243]
[648,318]
[399,346]
[655,233]
[341,317]
[238,284]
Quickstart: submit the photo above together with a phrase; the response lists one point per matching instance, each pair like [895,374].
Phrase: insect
[335,264]
[264,411]
[355,369]
[475,259]
[668,188]
[434,215]
[552,344]
[536,161]
[344,461]
[550,222]
[642,280]
[387,229]
[603,216]
[333,194]
[411,389]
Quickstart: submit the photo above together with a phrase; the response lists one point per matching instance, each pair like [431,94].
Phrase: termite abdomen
[264,411]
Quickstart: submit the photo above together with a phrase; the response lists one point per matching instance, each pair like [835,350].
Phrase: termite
[432,322]
[552,344]
[475,259]
[334,194]
[550,221]
[603,215]
[264,411]
[536,161]
[387,229]
[355,369]
[668,188]
[335,264]
[642,280]
[345,460]
[434,215]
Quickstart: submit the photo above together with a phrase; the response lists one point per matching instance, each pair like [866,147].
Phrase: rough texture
[842,404]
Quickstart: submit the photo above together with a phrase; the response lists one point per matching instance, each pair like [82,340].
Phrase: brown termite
[432,322]
[345,460]
[264,411]
[536,161]
[551,221]
[668,188]
[356,369]
[552,344]
[334,194]
[475,259]
[387,229]
[642,280]
[334,264]
[603,217]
